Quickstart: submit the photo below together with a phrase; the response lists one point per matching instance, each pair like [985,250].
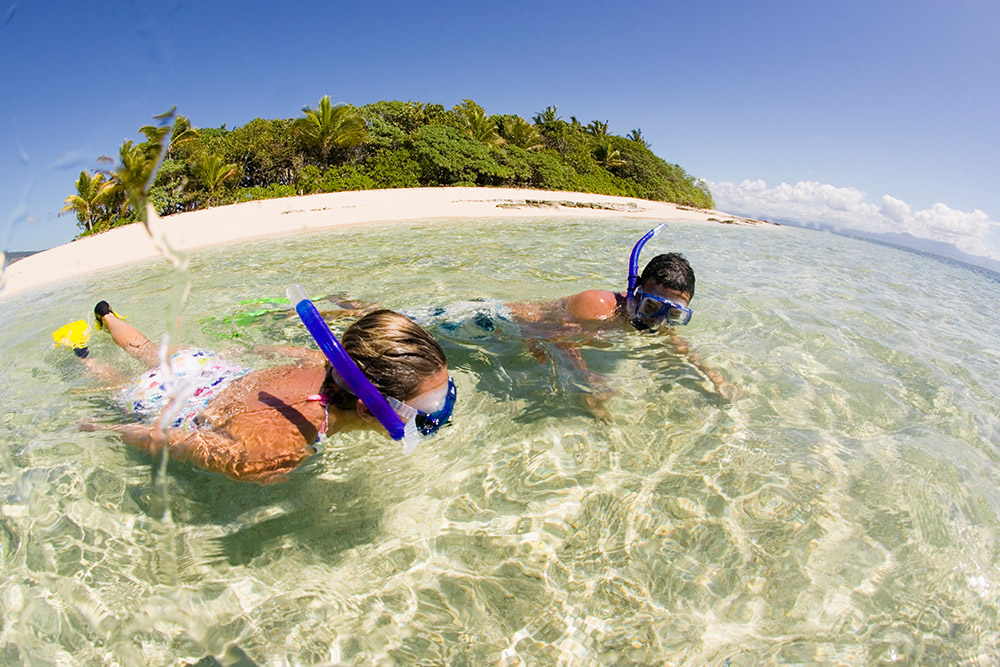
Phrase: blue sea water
[844,510]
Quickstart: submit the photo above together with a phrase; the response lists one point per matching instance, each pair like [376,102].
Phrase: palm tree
[327,127]
[597,128]
[608,156]
[129,182]
[552,126]
[474,121]
[134,174]
[181,131]
[519,132]
[636,136]
[92,193]
[116,200]
[211,171]
[547,116]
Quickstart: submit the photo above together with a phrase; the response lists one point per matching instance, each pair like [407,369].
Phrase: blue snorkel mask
[404,422]
[646,311]
[434,409]
[657,309]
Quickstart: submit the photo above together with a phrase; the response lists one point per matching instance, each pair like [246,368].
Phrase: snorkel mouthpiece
[641,324]
[400,426]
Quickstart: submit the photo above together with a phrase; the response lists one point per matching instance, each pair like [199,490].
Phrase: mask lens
[655,308]
[429,423]
[649,307]
[683,316]
[431,402]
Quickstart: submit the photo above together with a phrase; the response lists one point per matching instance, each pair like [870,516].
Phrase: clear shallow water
[843,511]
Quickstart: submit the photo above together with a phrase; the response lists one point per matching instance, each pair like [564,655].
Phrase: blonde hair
[392,351]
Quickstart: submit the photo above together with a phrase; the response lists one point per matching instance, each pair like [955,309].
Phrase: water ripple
[844,511]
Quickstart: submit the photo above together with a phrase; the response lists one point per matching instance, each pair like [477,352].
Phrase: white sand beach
[281,217]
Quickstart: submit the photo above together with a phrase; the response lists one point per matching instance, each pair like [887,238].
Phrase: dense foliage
[388,144]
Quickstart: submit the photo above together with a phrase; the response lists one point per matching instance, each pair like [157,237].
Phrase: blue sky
[878,116]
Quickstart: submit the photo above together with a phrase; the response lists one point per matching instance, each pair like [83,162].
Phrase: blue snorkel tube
[398,418]
[633,268]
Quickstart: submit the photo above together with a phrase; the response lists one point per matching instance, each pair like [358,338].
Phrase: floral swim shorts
[198,375]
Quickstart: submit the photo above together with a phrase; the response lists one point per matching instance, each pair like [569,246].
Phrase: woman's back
[267,420]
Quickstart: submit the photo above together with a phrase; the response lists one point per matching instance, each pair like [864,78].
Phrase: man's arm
[726,390]
[561,323]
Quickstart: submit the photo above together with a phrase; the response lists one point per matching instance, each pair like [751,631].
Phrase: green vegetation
[388,144]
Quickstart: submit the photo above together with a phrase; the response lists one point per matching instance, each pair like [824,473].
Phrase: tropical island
[390,144]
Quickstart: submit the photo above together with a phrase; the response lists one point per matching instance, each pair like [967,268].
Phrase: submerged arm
[571,352]
[210,449]
[726,390]
[594,401]
[566,324]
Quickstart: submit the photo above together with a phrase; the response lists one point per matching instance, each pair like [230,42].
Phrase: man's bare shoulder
[594,304]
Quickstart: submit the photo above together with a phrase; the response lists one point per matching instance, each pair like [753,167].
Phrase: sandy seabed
[292,215]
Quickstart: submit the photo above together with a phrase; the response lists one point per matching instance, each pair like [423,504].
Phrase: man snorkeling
[659,297]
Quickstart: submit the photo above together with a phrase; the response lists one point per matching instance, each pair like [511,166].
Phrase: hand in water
[599,393]
[726,390]
[88,426]
[730,391]
[595,403]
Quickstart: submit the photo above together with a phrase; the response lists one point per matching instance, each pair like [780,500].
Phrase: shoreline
[294,215]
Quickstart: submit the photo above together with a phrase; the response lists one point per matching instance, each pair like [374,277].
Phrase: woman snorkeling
[258,425]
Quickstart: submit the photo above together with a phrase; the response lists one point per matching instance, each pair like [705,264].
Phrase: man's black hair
[671,271]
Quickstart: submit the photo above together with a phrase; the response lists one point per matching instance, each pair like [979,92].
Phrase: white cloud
[967,231]
[895,209]
[813,202]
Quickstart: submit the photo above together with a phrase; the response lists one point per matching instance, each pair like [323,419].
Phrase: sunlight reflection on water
[844,510]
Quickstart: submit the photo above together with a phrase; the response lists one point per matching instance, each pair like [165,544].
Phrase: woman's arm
[210,449]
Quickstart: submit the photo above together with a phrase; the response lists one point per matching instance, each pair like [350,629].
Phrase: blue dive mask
[437,407]
[403,422]
[658,309]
